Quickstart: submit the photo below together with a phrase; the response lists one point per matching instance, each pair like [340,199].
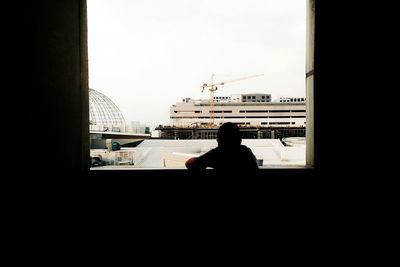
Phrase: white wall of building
[257,114]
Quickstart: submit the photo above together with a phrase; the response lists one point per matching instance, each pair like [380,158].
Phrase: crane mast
[212,87]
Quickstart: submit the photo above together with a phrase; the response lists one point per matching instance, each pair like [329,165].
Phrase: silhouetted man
[229,156]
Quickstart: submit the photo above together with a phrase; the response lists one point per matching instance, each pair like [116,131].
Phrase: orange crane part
[212,87]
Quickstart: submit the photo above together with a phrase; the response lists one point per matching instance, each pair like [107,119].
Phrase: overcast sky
[146,55]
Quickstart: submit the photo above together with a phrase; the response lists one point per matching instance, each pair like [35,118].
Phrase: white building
[136,127]
[246,109]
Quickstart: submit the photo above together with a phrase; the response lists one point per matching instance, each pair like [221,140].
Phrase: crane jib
[213,87]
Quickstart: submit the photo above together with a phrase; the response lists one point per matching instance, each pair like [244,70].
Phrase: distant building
[222,98]
[245,110]
[256,98]
[292,99]
[105,116]
[155,134]
[136,127]
[106,123]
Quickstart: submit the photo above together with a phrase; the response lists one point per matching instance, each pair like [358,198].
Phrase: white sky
[147,55]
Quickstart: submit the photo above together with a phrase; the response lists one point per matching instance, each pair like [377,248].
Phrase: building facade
[254,110]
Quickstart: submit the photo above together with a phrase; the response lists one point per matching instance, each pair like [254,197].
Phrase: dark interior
[48,72]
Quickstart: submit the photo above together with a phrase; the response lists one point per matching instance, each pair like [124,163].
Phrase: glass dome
[104,115]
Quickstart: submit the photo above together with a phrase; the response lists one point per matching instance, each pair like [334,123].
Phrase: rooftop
[173,153]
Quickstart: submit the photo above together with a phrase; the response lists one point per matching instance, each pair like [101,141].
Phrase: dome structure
[104,115]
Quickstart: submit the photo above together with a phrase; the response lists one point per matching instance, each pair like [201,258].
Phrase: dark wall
[47,49]
[48,79]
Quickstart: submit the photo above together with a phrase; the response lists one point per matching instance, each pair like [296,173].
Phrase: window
[149,25]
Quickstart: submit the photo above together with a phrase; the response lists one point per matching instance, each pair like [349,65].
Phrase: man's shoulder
[245,148]
[212,152]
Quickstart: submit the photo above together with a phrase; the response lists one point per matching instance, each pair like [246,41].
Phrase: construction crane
[212,87]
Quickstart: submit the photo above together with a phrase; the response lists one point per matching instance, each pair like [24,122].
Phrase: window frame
[309,78]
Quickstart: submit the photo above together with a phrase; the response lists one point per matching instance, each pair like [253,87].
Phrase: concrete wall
[310,82]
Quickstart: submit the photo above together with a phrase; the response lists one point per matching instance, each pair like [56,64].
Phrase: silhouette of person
[229,156]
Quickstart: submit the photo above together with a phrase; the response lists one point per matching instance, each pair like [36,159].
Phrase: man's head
[228,135]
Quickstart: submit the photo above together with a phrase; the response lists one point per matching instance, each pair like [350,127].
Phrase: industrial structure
[212,87]
[107,123]
[104,115]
